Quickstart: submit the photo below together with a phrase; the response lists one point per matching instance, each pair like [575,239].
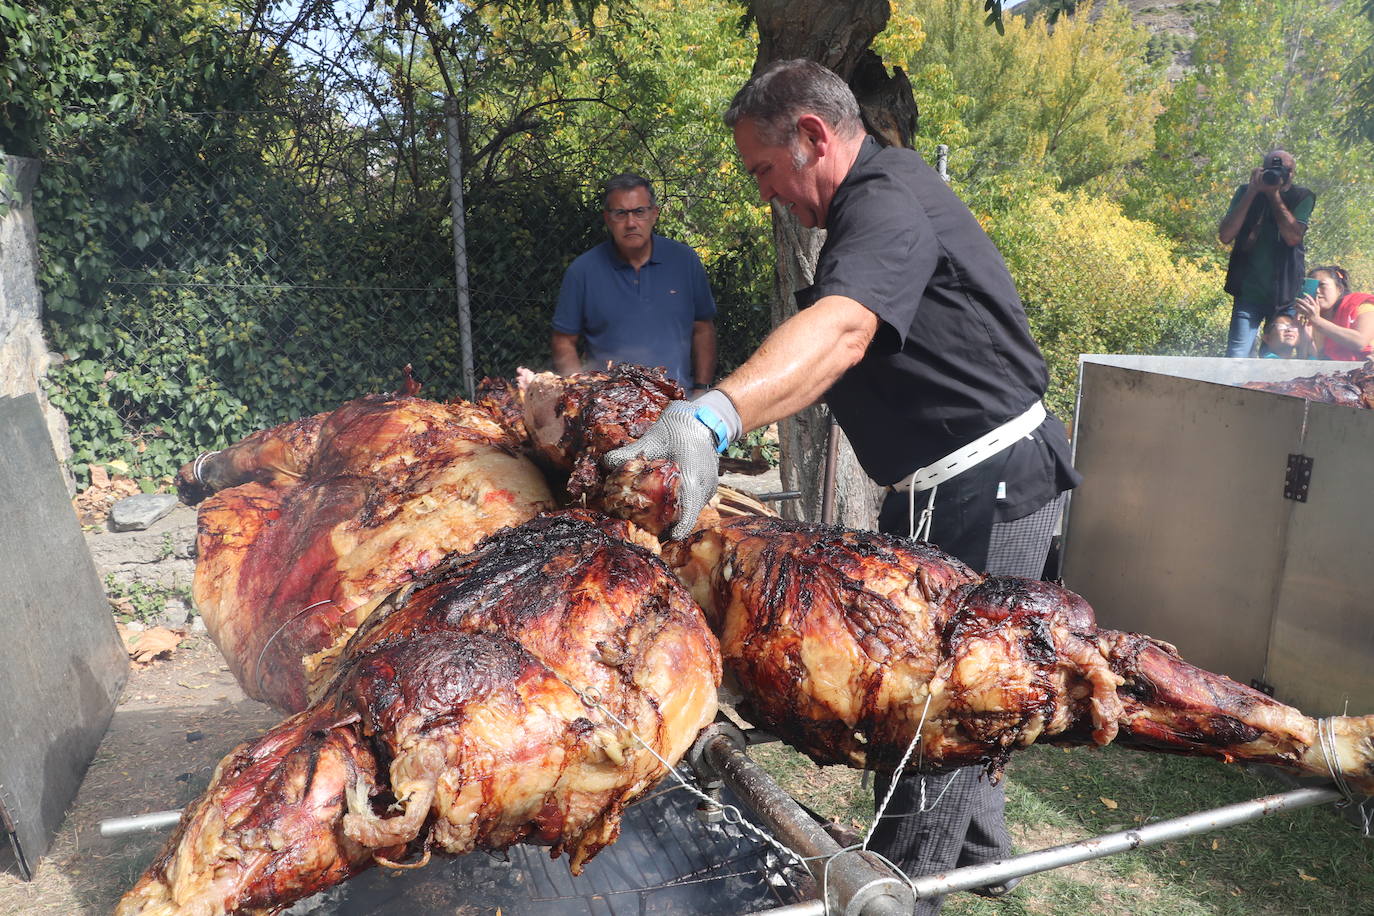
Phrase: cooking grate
[666,862]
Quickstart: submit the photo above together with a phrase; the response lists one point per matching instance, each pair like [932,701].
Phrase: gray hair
[626,181]
[787,89]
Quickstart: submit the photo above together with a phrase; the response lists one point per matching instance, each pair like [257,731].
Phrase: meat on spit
[1353,388]
[469,711]
[845,643]
[314,521]
[309,524]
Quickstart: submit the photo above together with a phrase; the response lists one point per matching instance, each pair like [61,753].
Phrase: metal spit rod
[961,879]
[778,497]
[857,882]
[137,823]
[867,886]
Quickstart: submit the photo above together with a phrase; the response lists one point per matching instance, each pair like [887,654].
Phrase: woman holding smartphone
[1340,322]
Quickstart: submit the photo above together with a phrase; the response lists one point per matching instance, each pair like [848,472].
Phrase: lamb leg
[847,643]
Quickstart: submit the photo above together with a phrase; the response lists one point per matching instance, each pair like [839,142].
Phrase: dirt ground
[174,722]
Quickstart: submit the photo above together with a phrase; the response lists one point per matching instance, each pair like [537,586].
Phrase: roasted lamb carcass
[472,710]
[315,521]
[845,643]
[1354,388]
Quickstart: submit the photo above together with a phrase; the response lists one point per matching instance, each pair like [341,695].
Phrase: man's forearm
[565,358]
[800,360]
[1290,230]
[1230,224]
[703,353]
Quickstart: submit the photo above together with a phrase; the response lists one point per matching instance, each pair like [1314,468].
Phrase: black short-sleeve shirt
[953,357]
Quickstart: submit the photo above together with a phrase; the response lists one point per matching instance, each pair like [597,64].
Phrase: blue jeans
[1246,318]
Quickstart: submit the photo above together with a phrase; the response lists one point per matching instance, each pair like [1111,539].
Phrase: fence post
[460,241]
[942,162]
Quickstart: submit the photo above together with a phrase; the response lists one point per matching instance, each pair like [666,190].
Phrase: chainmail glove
[681,434]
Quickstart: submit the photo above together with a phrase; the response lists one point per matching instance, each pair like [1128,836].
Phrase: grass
[1306,862]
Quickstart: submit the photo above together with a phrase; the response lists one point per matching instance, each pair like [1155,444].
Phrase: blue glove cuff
[716,425]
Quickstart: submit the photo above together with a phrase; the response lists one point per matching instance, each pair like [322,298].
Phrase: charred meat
[315,521]
[1354,388]
[501,699]
[847,644]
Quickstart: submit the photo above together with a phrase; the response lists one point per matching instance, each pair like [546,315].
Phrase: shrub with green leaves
[1095,281]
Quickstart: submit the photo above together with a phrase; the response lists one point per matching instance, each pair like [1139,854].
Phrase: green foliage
[1077,101]
[142,602]
[1163,47]
[231,239]
[1095,281]
[758,442]
[1271,74]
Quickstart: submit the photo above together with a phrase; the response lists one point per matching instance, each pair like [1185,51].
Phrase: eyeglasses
[638,213]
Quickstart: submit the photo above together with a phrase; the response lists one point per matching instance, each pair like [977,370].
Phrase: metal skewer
[138,823]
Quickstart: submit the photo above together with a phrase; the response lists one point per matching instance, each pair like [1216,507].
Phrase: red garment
[1345,313]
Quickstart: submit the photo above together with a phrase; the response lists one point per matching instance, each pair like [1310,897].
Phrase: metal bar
[138,823]
[460,241]
[805,908]
[961,879]
[8,827]
[832,458]
[777,497]
[856,881]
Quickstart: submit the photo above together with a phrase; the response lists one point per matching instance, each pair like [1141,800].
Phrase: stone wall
[24,356]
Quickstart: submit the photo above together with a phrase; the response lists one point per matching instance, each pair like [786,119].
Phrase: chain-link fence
[269,278]
[262,274]
[363,288]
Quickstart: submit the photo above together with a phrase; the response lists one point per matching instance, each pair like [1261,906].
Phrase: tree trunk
[837,35]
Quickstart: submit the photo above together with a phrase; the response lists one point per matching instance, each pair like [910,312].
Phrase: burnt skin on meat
[845,642]
[321,518]
[1354,388]
[265,832]
[457,720]
[573,421]
[504,399]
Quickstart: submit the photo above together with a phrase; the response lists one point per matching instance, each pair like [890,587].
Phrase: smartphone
[1309,286]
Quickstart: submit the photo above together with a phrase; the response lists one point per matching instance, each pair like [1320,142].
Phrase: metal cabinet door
[1176,527]
[1321,652]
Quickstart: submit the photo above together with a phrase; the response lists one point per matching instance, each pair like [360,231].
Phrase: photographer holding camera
[1267,220]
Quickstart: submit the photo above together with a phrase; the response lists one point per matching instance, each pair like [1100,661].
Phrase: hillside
[1169,22]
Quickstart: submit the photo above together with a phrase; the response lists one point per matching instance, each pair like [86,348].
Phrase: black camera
[1275,172]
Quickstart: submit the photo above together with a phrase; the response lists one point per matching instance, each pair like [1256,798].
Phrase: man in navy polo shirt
[638,297]
[913,333]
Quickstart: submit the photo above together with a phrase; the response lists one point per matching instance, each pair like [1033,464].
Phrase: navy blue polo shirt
[643,316]
[953,357]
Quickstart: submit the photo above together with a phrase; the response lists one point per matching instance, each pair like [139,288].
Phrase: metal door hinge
[1298,478]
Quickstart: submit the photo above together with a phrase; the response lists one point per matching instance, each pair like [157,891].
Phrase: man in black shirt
[915,336]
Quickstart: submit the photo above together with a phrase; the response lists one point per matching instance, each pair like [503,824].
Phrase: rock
[137,513]
[198,627]
[159,557]
[175,614]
